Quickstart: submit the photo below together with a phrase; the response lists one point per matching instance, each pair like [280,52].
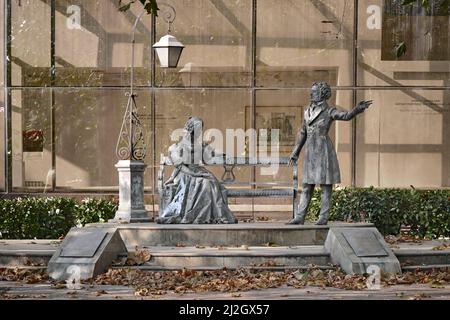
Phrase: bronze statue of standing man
[320,164]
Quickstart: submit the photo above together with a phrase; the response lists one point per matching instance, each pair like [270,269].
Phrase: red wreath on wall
[33,141]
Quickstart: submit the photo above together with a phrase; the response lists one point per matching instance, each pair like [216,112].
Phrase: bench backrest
[238,161]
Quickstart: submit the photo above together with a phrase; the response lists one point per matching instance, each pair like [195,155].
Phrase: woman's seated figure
[193,194]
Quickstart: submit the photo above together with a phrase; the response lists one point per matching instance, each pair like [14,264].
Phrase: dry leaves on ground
[403,238]
[188,281]
[444,246]
[10,296]
[148,283]
[138,257]
[182,281]
[23,275]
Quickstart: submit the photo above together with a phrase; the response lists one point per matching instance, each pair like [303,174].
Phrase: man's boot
[305,198]
[327,189]
[299,219]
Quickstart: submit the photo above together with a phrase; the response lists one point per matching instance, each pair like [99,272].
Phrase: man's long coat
[320,164]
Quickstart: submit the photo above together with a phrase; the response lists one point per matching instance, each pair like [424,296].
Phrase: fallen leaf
[270,244]
[300,276]
[418,297]
[141,292]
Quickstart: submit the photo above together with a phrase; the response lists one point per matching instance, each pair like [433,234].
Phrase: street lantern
[169,50]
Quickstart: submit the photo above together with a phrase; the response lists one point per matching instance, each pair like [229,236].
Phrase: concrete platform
[271,246]
[250,234]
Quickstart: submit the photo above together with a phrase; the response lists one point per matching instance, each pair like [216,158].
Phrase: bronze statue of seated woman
[195,196]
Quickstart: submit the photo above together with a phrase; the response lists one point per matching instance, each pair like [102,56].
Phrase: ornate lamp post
[131,147]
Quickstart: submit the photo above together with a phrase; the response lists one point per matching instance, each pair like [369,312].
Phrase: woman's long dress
[195,196]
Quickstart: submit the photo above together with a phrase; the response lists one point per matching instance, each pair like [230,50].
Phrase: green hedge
[425,212]
[50,218]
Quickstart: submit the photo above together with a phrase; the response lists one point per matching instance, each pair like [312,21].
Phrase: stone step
[25,253]
[422,257]
[234,257]
[251,234]
[211,268]
[427,267]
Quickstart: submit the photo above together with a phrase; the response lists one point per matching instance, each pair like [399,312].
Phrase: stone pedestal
[357,250]
[131,192]
[86,253]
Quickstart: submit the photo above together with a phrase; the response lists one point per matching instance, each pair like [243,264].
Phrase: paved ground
[14,290]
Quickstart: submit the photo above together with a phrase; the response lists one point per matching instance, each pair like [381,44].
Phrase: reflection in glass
[87,127]
[2,142]
[404,139]
[217,36]
[87,124]
[402,45]
[91,48]
[30,44]
[94,49]
[299,42]
[2,44]
[32,140]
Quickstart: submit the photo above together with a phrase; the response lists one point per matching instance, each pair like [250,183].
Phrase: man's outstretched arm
[348,115]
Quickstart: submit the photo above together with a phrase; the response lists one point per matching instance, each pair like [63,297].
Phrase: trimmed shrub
[50,218]
[426,213]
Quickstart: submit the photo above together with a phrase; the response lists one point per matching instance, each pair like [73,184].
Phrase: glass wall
[405,139]
[106,60]
[2,97]
[299,42]
[247,64]
[218,43]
